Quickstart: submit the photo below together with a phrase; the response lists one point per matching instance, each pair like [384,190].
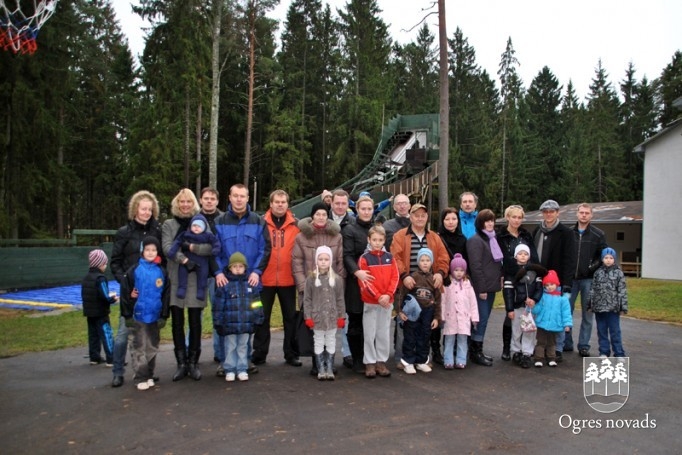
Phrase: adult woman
[509,238]
[485,266]
[354,245]
[183,207]
[454,242]
[316,230]
[143,213]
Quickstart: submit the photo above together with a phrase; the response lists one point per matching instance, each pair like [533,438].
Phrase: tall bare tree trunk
[215,96]
[197,134]
[249,115]
[444,145]
[187,141]
[60,181]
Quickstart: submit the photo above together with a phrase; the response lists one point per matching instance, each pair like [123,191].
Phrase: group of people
[339,269]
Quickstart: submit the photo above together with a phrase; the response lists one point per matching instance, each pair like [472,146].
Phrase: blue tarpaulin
[49,298]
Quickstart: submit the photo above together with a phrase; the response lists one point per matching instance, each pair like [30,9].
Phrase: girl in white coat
[460,311]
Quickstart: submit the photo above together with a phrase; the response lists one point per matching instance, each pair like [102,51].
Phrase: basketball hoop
[19,28]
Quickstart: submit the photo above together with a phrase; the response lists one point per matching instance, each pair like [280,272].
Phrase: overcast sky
[568,37]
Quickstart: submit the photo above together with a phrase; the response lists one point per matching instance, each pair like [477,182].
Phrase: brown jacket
[401,248]
[307,241]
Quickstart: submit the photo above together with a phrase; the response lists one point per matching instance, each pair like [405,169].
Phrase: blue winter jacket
[236,307]
[153,287]
[553,313]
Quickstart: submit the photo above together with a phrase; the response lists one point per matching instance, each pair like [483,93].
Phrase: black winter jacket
[558,253]
[126,250]
[95,294]
[354,245]
[519,285]
[588,247]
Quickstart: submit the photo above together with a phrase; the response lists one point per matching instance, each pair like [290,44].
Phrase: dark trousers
[178,328]
[287,303]
[100,335]
[417,337]
[608,329]
[545,345]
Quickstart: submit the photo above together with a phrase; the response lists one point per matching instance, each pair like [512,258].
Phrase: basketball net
[19,28]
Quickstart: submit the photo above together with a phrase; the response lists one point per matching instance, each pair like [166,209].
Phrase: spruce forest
[84,125]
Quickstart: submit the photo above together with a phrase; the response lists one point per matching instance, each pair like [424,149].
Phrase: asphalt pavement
[55,402]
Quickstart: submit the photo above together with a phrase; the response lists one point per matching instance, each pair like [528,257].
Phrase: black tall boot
[314,369]
[476,354]
[506,342]
[357,348]
[193,361]
[436,354]
[181,358]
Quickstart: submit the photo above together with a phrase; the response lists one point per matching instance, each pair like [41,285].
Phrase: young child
[324,310]
[96,301]
[237,310]
[552,315]
[608,300]
[377,296]
[522,288]
[417,334]
[196,234]
[145,300]
[460,311]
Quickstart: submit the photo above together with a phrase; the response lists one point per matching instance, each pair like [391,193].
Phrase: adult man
[589,242]
[278,280]
[406,243]
[339,212]
[401,207]
[209,208]
[468,202]
[241,230]
[556,247]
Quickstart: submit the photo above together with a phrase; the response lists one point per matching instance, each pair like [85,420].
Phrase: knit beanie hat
[551,278]
[365,194]
[325,193]
[458,262]
[610,251]
[521,247]
[424,251]
[200,221]
[150,240]
[97,258]
[324,249]
[319,206]
[237,258]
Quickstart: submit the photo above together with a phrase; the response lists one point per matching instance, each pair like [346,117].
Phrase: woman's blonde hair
[514,209]
[184,193]
[138,197]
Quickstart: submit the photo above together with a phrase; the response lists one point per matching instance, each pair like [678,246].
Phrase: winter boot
[330,367]
[181,358]
[193,361]
[356,345]
[506,342]
[476,354]
[321,370]
[314,369]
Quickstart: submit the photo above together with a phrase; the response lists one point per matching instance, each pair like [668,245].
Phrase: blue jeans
[485,306]
[120,348]
[608,326]
[449,347]
[417,337]
[236,353]
[218,347]
[564,340]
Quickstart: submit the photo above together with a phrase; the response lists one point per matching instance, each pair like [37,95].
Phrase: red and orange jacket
[384,269]
[278,271]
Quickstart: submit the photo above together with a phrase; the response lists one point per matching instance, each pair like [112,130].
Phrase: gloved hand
[309,323]
[185,247]
[191,266]
[340,323]
[130,323]
[161,323]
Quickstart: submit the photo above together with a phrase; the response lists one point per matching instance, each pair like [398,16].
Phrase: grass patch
[35,331]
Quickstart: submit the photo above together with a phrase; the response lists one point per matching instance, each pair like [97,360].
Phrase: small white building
[662,228]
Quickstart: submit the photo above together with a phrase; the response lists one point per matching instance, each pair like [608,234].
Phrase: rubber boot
[193,361]
[476,354]
[181,358]
[330,367]
[321,375]
[436,354]
[506,342]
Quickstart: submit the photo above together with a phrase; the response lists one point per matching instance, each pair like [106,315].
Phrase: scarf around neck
[494,246]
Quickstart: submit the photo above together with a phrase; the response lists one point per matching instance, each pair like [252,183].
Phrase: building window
[620,236]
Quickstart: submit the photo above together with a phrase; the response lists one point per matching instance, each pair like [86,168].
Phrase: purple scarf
[494,246]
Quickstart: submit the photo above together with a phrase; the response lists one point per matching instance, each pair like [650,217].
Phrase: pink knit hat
[458,262]
[97,258]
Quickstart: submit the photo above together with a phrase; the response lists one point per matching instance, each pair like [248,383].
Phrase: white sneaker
[150,382]
[243,376]
[407,367]
[423,367]
[143,386]
[229,377]
[552,363]
[538,364]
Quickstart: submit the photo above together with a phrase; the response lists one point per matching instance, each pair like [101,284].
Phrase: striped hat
[97,258]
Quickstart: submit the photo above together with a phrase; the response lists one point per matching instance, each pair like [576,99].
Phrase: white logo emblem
[606,382]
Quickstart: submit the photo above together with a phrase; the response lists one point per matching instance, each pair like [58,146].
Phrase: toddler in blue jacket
[552,315]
